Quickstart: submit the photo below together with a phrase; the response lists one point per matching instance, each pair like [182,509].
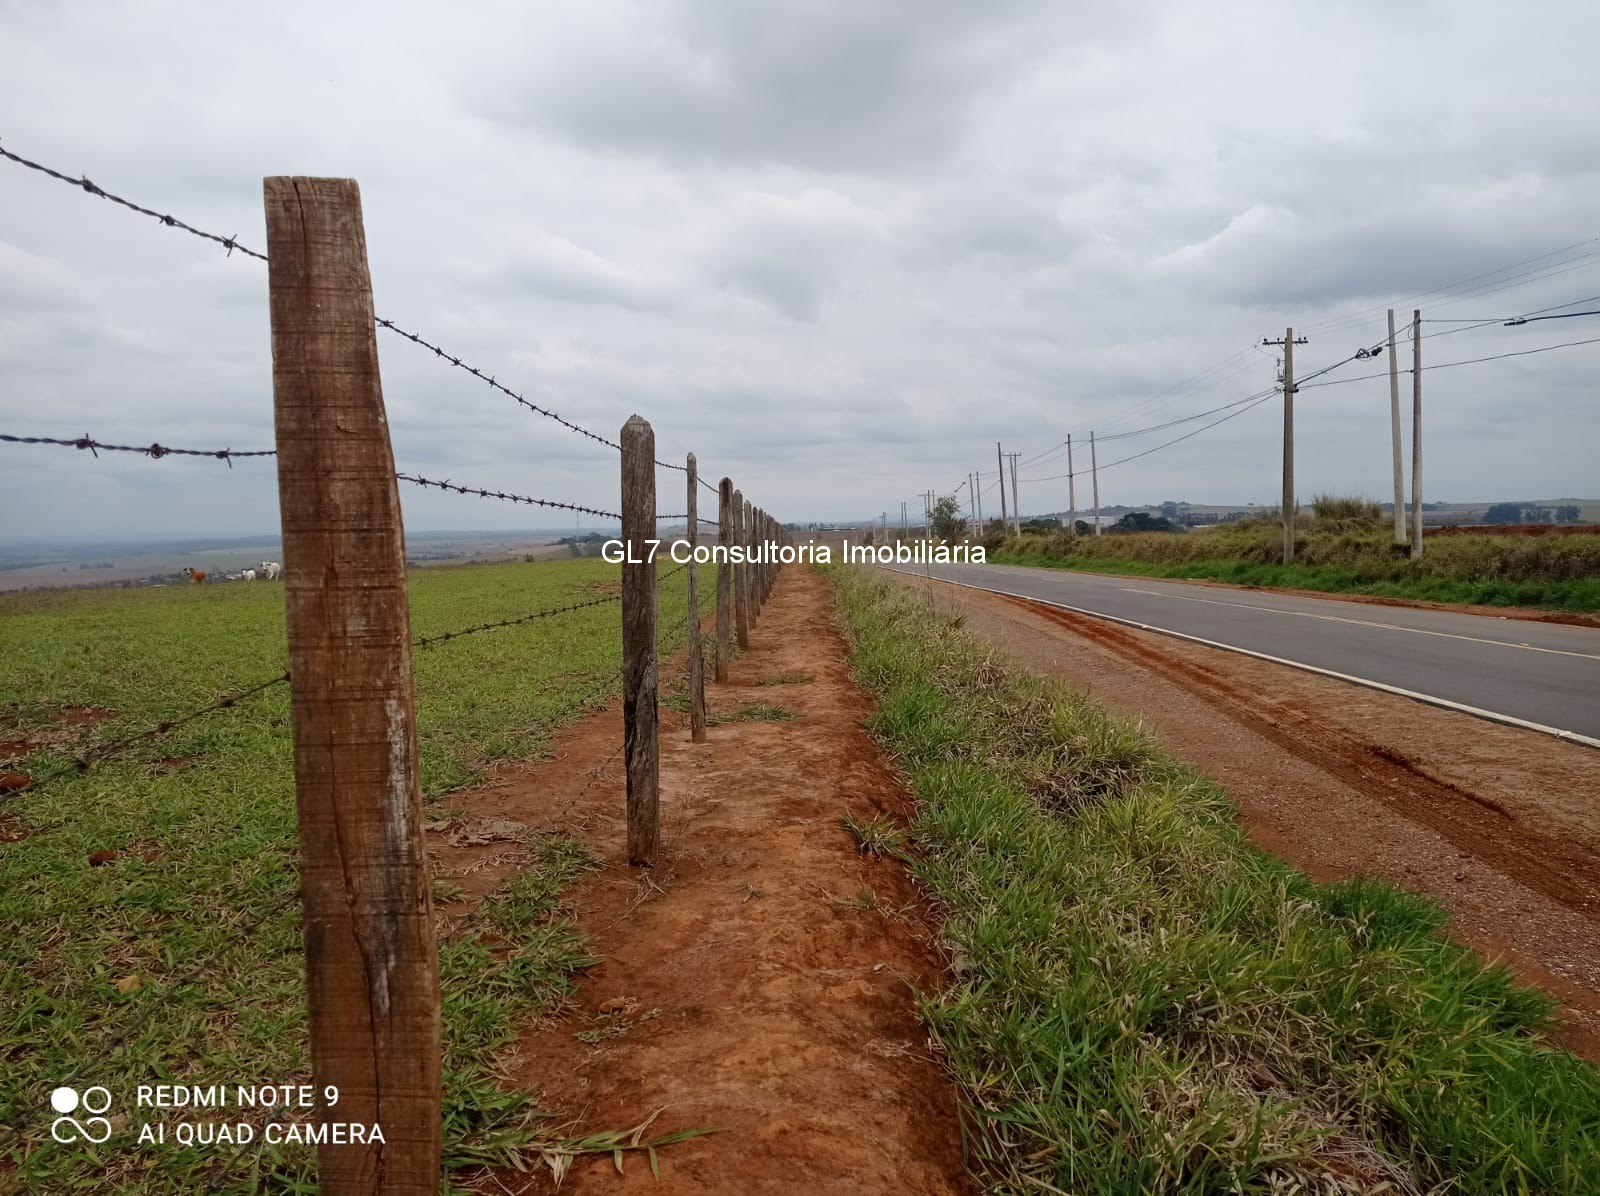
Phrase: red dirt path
[744,987]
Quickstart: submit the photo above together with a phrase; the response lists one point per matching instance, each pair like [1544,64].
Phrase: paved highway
[1515,670]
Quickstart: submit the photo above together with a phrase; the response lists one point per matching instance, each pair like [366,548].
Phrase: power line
[1444,365]
[1450,289]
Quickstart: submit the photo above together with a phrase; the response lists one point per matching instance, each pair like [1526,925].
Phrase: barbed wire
[415,338]
[548,613]
[82,763]
[231,243]
[153,451]
[228,243]
[503,496]
[440,353]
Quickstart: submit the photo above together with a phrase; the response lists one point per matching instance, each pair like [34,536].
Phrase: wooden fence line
[372,970]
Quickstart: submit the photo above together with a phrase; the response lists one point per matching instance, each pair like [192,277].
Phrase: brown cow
[197,577]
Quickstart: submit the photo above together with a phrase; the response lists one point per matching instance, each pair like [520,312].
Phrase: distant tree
[1568,514]
[1505,512]
[1080,528]
[1142,521]
[947,521]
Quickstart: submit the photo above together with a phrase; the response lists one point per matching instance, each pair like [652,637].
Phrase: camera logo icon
[91,1129]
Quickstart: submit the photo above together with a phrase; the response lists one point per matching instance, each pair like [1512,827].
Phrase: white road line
[1305,614]
[1493,716]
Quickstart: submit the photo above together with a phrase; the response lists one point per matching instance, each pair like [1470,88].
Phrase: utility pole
[1394,430]
[977,480]
[1016,505]
[1072,493]
[902,519]
[927,516]
[1416,435]
[972,499]
[1000,463]
[1094,473]
[1288,342]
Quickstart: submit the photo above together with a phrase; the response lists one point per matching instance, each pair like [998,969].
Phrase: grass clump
[1146,1003]
[787,679]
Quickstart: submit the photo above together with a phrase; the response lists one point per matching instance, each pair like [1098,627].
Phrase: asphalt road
[1546,674]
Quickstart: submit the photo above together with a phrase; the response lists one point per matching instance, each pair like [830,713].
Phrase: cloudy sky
[838,249]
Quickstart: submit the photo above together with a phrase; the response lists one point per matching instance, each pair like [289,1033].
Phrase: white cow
[270,570]
[248,575]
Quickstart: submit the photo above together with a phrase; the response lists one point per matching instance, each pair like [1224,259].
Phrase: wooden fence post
[372,964]
[753,571]
[639,711]
[772,541]
[724,576]
[697,662]
[741,575]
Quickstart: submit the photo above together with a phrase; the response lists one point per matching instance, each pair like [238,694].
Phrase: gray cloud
[837,250]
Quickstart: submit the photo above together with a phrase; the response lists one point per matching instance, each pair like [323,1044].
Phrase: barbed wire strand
[427,641]
[153,451]
[228,243]
[505,497]
[93,756]
[231,243]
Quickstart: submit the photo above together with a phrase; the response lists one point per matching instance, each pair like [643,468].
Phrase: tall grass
[1144,1003]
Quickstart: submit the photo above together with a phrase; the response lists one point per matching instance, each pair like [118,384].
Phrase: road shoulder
[1495,824]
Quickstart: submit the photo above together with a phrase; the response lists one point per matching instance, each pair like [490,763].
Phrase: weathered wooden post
[724,576]
[372,965]
[752,604]
[771,538]
[741,575]
[697,663]
[639,711]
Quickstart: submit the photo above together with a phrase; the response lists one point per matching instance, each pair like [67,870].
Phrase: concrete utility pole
[902,519]
[1394,430]
[927,516]
[1000,463]
[1289,504]
[1416,435]
[977,481]
[1016,505]
[1072,493]
[1094,473]
[972,499]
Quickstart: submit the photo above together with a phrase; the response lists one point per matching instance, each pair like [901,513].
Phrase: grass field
[179,960]
[1145,1003]
[1342,546]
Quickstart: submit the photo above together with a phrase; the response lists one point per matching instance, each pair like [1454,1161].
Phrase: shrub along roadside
[1554,572]
[1145,1003]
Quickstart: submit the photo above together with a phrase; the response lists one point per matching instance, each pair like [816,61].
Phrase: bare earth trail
[1498,825]
[746,985]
